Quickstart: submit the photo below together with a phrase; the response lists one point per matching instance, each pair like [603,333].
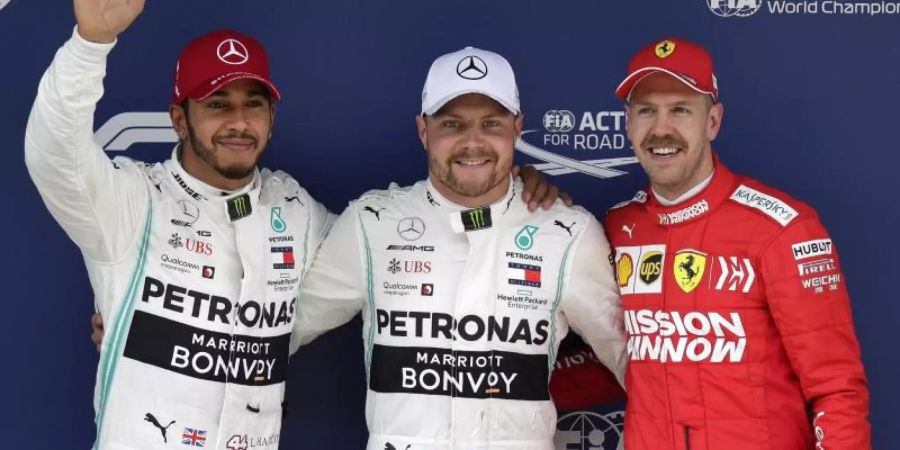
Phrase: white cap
[470,71]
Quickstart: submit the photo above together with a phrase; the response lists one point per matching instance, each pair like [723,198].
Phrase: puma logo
[389,446]
[628,229]
[563,226]
[162,429]
[373,211]
[295,198]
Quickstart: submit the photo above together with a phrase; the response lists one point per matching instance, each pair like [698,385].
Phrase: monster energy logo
[525,237]
[476,219]
[239,207]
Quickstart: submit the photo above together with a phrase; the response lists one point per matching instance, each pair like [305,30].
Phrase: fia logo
[731,8]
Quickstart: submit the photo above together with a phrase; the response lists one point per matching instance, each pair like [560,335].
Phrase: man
[464,294]
[740,333]
[194,261]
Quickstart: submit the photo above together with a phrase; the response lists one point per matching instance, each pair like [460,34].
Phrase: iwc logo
[587,430]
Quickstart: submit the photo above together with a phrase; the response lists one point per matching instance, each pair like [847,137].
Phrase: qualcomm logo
[730,8]
[125,129]
[591,132]
[586,430]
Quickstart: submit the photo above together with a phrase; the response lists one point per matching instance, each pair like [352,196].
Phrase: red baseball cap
[213,60]
[684,60]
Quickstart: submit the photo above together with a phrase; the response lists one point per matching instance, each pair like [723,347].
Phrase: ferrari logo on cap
[665,48]
[689,267]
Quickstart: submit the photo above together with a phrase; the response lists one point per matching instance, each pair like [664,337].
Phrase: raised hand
[101,21]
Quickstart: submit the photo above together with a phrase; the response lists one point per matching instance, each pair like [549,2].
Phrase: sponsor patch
[676,217]
[816,267]
[771,206]
[735,274]
[688,268]
[283,257]
[809,249]
[523,274]
[822,283]
[692,336]
[639,268]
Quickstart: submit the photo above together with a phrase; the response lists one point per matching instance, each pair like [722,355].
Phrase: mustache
[236,135]
[667,140]
[474,154]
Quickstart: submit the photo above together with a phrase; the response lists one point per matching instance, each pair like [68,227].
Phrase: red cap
[682,59]
[216,59]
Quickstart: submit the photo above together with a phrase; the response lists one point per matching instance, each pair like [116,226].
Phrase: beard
[208,155]
[441,170]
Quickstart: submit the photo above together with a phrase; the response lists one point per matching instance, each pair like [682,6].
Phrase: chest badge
[275,220]
[689,267]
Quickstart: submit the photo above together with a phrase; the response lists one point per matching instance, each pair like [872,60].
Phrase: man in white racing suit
[464,294]
[195,262]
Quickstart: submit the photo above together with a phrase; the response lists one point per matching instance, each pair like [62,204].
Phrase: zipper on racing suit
[687,438]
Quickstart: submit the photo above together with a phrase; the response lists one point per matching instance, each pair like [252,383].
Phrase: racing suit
[463,311]
[738,321]
[197,287]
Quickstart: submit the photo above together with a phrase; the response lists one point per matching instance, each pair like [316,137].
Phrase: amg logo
[411,248]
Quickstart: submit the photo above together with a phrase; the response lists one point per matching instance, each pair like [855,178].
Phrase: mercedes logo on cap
[232,51]
[472,68]
[411,228]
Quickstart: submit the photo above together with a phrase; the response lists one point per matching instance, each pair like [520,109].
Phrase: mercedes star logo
[411,228]
[232,51]
[472,68]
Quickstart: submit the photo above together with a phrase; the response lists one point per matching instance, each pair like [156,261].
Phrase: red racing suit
[740,334]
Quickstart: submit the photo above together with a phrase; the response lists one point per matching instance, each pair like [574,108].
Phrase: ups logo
[650,267]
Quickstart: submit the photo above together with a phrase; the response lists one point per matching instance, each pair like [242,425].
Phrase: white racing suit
[463,311]
[197,287]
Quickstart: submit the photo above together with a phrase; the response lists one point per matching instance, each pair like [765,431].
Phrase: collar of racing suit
[456,212]
[698,206]
[214,196]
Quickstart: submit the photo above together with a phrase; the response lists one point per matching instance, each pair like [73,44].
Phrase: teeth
[472,162]
[665,151]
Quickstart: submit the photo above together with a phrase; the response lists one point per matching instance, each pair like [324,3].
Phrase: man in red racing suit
[740,334]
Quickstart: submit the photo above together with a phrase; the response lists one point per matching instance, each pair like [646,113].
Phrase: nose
[473,140]
[239,119]
[662,124]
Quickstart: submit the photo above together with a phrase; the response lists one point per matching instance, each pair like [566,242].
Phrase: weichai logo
[693,336]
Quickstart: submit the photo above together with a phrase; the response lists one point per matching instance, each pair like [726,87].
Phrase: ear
[272,118]
[423,133]
[714,121]
[519,124]
[179,120]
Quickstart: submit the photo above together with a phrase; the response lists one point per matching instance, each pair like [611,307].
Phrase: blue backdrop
[811,106]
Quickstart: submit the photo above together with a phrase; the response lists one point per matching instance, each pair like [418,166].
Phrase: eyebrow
[457,116]
[644,103]
[252,93]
